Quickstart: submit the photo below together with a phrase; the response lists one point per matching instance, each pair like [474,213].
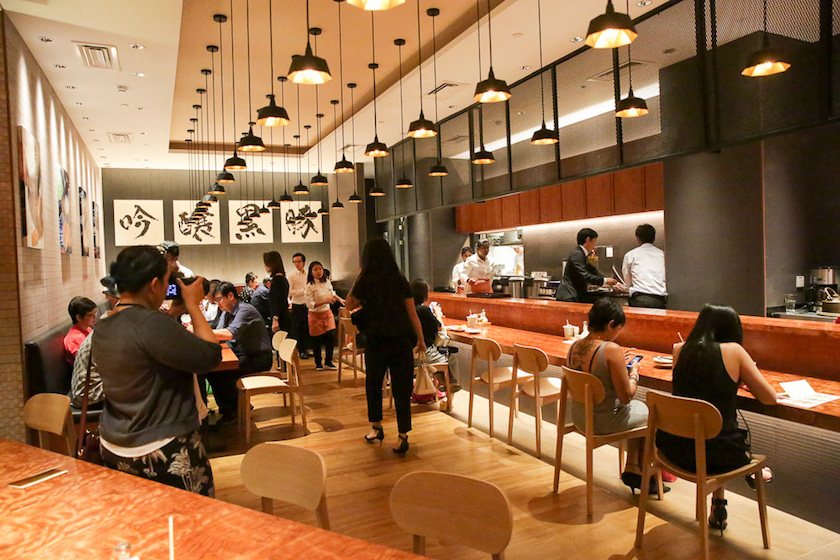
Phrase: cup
[790,303]
[472,321]
[575,331]
[568,330]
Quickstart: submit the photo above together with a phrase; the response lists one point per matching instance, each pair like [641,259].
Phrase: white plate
[472,331]
[663,360]
[456,328]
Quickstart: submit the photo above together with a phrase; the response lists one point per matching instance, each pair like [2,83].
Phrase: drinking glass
[790,303]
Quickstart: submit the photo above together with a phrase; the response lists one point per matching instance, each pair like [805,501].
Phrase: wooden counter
[808,349]
[83,514]
[229,360]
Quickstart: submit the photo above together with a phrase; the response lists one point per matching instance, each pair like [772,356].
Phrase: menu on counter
[802,395]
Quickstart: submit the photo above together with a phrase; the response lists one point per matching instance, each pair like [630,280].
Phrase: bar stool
[495,377]
[349,353]
[544,390]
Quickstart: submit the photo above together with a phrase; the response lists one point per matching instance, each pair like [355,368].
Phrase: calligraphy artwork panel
[29,183]
[303,230]
[65,213]
[260,230]
[207,231]
[95,214]
[138,222]
[84,222]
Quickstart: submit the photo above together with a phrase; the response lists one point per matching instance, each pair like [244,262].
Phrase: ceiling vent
[460,138]
[445,90]
[607,75]
[119,137]
[98,57]
[350,148]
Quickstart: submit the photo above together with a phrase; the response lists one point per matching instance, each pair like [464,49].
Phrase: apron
[321,322]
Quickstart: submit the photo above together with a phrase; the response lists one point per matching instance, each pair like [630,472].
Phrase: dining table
[84,513]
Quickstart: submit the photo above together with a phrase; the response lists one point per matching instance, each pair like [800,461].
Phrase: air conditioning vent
[350,147]
[445,90]
[98,57]
[607,75]
[119,137]
[460,138]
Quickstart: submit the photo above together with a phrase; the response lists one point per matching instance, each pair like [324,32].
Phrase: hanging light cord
[213,71]
[629,58]
[248,34]
[490,32]
[478,28]
[300,180]
[542,74]
[335,136]
[373,51]
[765,18]
[232,73]
[419,56]
[434,65]
[341,78]
[222,80]
[318,123]
[353,124]
[271,47]
[402,122]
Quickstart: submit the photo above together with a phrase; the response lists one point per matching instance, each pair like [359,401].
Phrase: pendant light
[311,214]
[483,156]
[250,142]
[285,197]
[319,180]
[223,176]
[403,182]
[203,141]
[611,29]
[337,205]
[342,166]
[376,4]
[438,169]
[271,114]
[375,148]
[234,162]
[300,188]
[376,190]
[491,90]
[309,69]
[422,127]
[544,136]
[766,61]
[631,106]
[354,198]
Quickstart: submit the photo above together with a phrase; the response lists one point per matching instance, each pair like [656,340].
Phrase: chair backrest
[288,354]
[684,417]
[277,339]
[285,472]
[348,329]
[576,381]
[50,412]
[343,312]
[486,349]
[530,360]
[453,508]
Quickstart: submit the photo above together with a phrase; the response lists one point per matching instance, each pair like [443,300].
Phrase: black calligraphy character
[140,219]
[248,230]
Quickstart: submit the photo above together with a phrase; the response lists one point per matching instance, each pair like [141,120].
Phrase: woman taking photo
[599,355]
[146,359]
[711,365]
[278,294]
[389,322]
[319,296]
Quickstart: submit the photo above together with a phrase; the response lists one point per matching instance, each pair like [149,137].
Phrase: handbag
[87,446]
[425,390]
[360,318]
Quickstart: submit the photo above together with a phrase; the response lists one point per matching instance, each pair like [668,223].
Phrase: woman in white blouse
[319,295]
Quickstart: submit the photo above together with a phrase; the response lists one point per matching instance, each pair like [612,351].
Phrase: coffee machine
[820,279]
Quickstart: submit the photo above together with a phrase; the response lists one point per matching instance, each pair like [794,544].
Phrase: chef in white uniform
[478,270]
[456,284]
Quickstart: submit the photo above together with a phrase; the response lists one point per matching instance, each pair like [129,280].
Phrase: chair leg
[510,416]
[247,409]
[302,410]
[448,385]
[472,395]
[589,478]
[622,452]
[643,498]
[558,451]
[268,506]
[419,545]
[322,514]
[292,407]
[491,402]
[340,363]
[704,526]
[761,498]
[538,419]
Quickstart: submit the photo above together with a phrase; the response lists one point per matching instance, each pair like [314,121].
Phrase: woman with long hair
[389,322]
[278,294]
[711,365]
[320,295]
[149,425]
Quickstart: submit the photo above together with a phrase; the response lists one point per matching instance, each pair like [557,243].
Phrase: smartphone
[635,359]
[173,290]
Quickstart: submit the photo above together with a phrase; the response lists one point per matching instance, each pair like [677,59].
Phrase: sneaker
[330,366]
[319,368]
[226,420]
[305,355]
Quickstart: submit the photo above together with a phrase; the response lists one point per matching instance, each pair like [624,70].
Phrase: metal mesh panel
[797,19]
[491,179]
[532,165]
[428,188]
[405,200]
[835,57]
[455,150]
[385,179]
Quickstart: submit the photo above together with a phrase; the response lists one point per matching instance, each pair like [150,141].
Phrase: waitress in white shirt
[478,270]
[644,271]
[319,294]
[456,284]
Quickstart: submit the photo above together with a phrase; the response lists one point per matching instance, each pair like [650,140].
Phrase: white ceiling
[157,25]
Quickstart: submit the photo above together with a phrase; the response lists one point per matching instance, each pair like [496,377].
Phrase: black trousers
[224,382]
[327,340]
[300,327]
[397,355]
[648,300]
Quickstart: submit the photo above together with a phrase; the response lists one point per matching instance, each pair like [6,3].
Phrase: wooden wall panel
[463,223]
[574,200]
[511,211]
[493,210]
[477,216]
[529,207]
[551,204]
[654,187]
[629,190]
[599,196]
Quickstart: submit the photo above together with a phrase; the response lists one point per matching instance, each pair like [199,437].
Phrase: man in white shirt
[478,270]
[300,313]
[172,251]
[644,271]
[466,253]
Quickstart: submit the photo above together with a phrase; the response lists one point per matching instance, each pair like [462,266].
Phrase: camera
[173,290]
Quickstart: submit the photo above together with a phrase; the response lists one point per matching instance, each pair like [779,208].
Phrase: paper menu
[801,394]
[798,389]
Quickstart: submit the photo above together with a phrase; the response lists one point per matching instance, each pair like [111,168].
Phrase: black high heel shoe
[634,482]
[717,520]
[380,435]
[403,447]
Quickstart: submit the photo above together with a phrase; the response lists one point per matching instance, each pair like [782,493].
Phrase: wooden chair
[586,389]
[698,420]
[296,475]
[495,377]
[544,390]
[348,346]
[49,413]
[272,382]
[454,509]
[276,340]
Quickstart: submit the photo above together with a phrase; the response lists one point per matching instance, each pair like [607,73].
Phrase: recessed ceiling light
[144,133]
[101,149]
[85,118]
[453,106]
[581,87]
[669,51]
[45,39]
[91,130]
[525,67]
[96,139]
[70,87]
[520,112]
[577,39]
[104,157]
[140,74]
[141,108]
[78,103]
[138,46]
[643,3]
[60,66]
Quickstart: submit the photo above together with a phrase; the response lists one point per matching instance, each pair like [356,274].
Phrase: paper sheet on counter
[802,395]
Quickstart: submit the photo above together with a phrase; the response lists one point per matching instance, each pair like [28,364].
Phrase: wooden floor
[546,525]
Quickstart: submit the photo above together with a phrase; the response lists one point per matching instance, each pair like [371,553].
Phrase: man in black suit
[580,271]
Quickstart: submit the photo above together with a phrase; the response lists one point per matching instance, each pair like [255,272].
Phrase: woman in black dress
[389,322]
[711,365]
[278,294]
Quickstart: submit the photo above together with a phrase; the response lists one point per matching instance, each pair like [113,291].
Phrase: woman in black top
[389,321]
[278,294]
[711,365]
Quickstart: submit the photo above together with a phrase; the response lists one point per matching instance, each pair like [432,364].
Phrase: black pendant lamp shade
[337,205]
[376,191]
[422,128]
[491,90]
[483,157]
[631,106]
[311,214]
[545,136]
[376,148]
[355,198]
[309,69]
[376,4]
[251,142]
[766,61]
[225,177]
[403,183]
[319,180]
[272,115]
[234,162]
[344,166]
[300,189]
[286,197]
[438,170]
[610,30]
[274,205]
[217,189]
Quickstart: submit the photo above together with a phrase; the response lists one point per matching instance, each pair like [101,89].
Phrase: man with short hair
[644,271]
[300,313]
[466,253]
[172,251]
[579,268]
[83,313]
[259,299]
[243,328]
[477,274]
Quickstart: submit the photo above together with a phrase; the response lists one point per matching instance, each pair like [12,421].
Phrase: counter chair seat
[49,414]
[698,420]
[528,364]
